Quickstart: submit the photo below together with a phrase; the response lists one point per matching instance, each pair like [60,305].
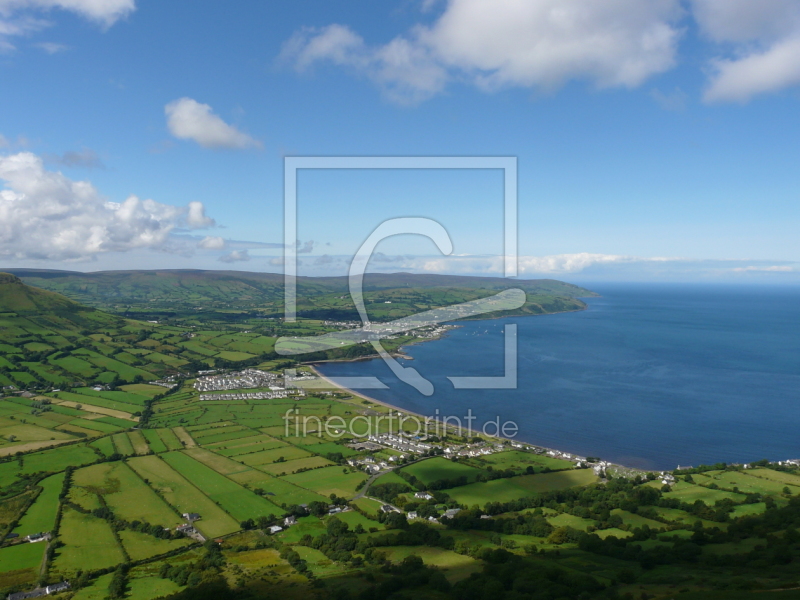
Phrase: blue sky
[656,139]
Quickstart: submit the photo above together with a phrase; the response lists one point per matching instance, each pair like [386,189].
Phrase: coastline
[333,384]
[400,354]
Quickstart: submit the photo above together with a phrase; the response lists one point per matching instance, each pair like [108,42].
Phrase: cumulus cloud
[235,256]
[188,119]
[763,42]
[196,216]
[306,248]
[45,215]
[19,17]
[212,243]
[539,45]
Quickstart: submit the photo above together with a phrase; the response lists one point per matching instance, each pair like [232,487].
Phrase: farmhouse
[290,520]
[191,516]
[275,529]
[57,587]
[413,515]
[423,495]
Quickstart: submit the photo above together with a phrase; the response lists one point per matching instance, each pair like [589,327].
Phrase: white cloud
[45,215]
[187,119]
[235,256]
[763,39]
[772,269]
[772,70]
[17,16]
[196,216]
[540,44]
[52,47]
[212,243]
[305,248]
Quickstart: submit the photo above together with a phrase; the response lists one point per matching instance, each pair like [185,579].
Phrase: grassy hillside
[178,294]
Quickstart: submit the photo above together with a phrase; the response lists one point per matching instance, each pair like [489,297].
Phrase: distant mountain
[154,292]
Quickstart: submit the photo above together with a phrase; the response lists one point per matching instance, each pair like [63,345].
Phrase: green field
[293,466]
[140,545]
[434,469]
[263,457]
[328,480]
[47,461]
[89,544]
[519,461]
[22,556]
[138,443]
[169,438]
[125,493]
[183,496]
[505,490]
[41,516]
[239,502]
[122,444]
[689,493]
[154,440]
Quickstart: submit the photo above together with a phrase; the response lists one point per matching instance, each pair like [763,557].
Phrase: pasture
[125,493]
[293,466]
[138,443]
[689,493]
[89,544]
[329,480]
[41,515]
[505,490]
[140,545]
[20,564]
[434,469]
[283,453]
[183,496]
[169,439]
[154,440]
[238,501]
[519,461]
[123,445]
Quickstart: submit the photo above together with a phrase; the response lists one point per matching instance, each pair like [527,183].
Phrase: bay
[650,375]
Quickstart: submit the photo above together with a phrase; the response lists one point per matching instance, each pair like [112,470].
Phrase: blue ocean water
[651,376]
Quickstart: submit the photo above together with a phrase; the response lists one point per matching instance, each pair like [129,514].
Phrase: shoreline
[334,385]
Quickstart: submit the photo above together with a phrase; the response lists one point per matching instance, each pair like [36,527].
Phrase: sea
[651,376]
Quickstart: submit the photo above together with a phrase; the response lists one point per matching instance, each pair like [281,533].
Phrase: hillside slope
[163,293]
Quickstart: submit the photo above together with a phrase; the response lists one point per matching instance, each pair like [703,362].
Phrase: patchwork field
[126,494]
[183,496]
[238,501]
